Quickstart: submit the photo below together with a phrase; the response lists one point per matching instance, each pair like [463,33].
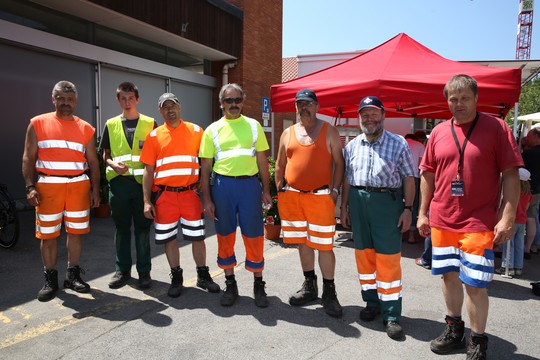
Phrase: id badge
[457,188]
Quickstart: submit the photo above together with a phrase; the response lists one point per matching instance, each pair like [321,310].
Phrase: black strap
[461,150]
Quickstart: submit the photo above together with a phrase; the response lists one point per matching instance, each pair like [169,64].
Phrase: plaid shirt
[382,163]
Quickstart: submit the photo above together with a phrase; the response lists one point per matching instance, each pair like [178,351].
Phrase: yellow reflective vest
[120,149]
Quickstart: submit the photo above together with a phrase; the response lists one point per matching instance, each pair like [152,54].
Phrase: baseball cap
[306,94]
[524,174]
[371,101]
[167,96]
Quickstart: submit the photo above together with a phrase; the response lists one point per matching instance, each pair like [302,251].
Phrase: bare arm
[147,182]
[29,164]
[206,171]
[336,150]
[427,189]
[93,164]
[262,164]
[405,219]
[119,167]
[504,229]
[344,213]
[281,161]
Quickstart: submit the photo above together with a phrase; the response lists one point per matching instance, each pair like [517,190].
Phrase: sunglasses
[237,100]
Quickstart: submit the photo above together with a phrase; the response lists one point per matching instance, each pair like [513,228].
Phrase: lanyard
[462,149]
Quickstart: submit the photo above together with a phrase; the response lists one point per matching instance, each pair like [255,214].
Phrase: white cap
[524,174]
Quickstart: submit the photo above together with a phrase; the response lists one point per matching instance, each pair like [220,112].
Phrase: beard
[376,129]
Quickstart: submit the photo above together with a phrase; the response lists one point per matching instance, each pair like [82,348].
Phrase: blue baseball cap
[371,101]
[306,94]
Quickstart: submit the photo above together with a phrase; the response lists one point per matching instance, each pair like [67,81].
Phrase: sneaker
[50,287]
[204,280]
[502,271]
[518,272]
[369,313]
[330,302]
[452,338]
[73,280]
[307,293]
[477,348]
[145,281]
[119,279]
[260,295]
[177,280]
[230,294]
[393,329]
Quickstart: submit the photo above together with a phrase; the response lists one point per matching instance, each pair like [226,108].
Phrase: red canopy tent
[408,77]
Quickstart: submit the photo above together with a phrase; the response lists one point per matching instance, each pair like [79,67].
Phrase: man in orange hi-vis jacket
[170,181]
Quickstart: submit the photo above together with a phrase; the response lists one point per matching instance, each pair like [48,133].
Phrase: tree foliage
[529,101]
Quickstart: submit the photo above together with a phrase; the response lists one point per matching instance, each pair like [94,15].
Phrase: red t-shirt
[490,150]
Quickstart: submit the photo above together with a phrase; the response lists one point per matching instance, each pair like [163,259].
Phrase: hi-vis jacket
[173,152]
[120,149]
[61,145]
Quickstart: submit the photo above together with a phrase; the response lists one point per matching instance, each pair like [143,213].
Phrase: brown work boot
[452,338]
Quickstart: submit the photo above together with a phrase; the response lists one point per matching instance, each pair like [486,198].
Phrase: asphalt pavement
[132,324]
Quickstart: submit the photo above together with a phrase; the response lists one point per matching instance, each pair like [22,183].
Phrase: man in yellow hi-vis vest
[122,141]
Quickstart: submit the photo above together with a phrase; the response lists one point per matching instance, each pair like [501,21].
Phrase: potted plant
[104,209]
[272,221]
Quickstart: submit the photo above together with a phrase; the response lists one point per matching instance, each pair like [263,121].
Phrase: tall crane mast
[525,21]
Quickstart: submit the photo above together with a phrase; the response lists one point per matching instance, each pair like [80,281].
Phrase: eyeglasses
[301,104]
[237,100]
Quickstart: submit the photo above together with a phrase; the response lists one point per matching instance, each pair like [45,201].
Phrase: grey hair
[64,86]
[232,86]
[460,82]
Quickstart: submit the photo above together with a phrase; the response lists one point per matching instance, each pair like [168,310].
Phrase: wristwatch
[408,208]
[336,190]
[28,187]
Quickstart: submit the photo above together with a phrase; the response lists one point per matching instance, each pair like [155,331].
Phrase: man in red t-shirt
[460,184]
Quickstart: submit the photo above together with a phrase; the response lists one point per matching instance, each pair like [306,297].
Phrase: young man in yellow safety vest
[122,142]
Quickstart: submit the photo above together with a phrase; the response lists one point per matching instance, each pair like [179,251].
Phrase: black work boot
[204,280]
[452,338]
[50,287]
[259,294]
[307,293]
[477,348]
[119,279]
[230,294]
[329,300]
[73,280]
[177,280]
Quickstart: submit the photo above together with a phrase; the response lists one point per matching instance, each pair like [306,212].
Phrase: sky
[455,29]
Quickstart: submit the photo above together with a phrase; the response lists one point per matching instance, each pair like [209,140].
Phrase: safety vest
[61,145]
[120,149]
[224,154]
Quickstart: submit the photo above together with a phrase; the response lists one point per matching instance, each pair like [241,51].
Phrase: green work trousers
[126,199]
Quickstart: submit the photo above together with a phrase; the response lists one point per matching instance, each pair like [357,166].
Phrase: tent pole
[516,120]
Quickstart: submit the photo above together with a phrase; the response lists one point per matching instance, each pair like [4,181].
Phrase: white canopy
[530,117]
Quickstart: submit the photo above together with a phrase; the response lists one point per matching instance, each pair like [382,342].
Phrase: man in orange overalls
[60,151]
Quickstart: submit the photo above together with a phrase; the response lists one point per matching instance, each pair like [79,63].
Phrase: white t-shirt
[417,151]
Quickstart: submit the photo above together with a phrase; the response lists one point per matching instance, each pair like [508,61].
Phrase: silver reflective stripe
[220,154]
[77,214]
[48,229]
[177,159]
[49,217]
[122,158]
[61,144]
[175,172]
[61,165]
[77,225]
[137,172]
[61,179]
[235,152]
